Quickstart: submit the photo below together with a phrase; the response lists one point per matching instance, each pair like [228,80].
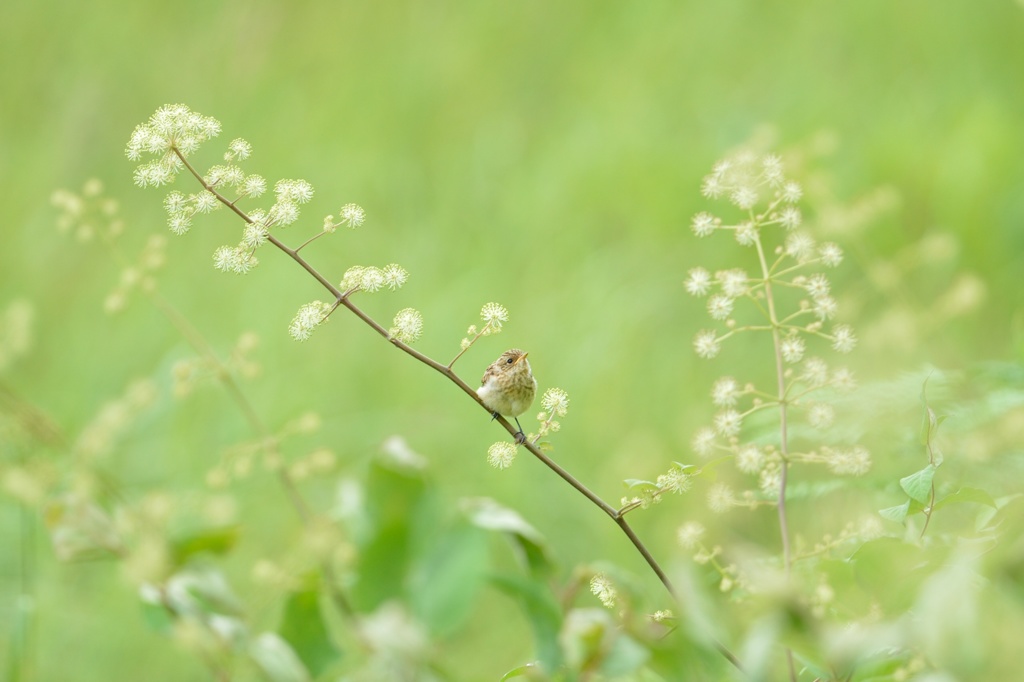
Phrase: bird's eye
[509,361]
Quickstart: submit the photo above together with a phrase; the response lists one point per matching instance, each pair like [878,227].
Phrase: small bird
[508,387]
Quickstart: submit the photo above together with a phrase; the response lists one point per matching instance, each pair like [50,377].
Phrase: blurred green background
[547,156]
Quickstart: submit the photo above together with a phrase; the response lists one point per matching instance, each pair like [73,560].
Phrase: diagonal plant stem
[783,402]
[342,298]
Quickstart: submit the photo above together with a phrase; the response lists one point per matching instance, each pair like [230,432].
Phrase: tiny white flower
[703,224]
[746,233]
[790,217]
[817,285]
[352,215]
[855,462]
[791,192]
[825,307]
[372,279]
[283,213]
[556,401]
[254,235]
[712,187]
[728,422]
[770,481]
[750,459]
[744,197]
[815,372]
[719,306]
[408,325]
[501,455]
[772,165]
[800,246]
[792,348]
[493,315]
[843,339]
[821,415]
[309,317]
[843,379]
[689,534]
[699,282]
[238,148]
[831,254]
[704,442]
[254,186]
[725,392]
[707,344]
[602,588]
[734,282]
[720,498]
[395,276]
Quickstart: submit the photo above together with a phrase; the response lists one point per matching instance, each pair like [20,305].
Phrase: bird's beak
[520,359]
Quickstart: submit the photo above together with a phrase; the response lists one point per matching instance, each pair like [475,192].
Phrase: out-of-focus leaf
[586,636]
[918,485]
[200,590]
[303,627]
[393,506]
[890,570]
[489,515]
[276,660]
[897,513]
[80,529]
[624,656]
[520,671]
[209,540]
[448,579]
[543,613]
[967,494]
[157,617]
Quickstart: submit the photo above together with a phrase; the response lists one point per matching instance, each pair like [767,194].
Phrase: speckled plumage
[508,386]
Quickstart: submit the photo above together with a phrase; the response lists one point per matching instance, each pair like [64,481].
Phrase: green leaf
[303,627]
[625,656]
[634,482]
[201,588]
[487,514]
[157,617]
[209,540]
[276,660]
[394,504]
[446,583]
[897,513]
[967,494]
[918,485]
[519,672]
[890,570]
[542,611]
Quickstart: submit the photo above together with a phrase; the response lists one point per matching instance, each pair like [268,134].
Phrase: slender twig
[446,370]
[309,241]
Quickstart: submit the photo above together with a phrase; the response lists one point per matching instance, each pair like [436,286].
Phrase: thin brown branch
[446,370]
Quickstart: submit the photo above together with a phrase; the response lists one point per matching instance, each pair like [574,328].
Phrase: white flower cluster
[371,279]
[309,317]
[174,129]
[766,199]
